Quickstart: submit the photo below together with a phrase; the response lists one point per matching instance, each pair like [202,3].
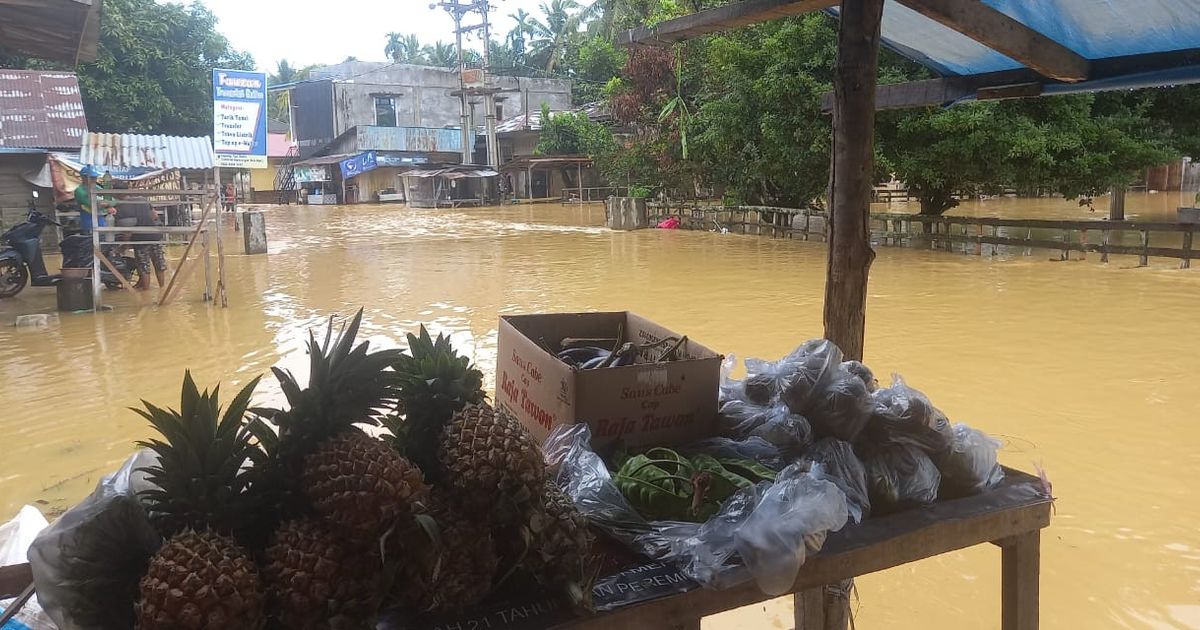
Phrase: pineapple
[561,550]
[324,572]
[359,485]
[487,461]
[318,582]
[456,570]
[200,578]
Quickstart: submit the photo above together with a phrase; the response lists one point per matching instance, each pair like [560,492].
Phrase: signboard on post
[240,118]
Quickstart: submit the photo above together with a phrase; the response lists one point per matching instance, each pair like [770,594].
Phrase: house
[272,184]
[40,113]
[403,115]
[537,176]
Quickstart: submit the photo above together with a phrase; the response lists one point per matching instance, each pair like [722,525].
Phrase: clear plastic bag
[86,565]
[786,430]
[970,466]
[844,469]
[754,448]
[762,385]
[839,406]
[782,521]
[903,416]
[802,371]
[900,477]
[738,418]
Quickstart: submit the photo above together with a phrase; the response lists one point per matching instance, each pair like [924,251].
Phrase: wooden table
[1010,516]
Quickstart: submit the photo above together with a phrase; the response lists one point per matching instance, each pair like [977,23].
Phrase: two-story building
[401,115]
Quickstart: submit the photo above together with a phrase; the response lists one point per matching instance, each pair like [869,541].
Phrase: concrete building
[402,113]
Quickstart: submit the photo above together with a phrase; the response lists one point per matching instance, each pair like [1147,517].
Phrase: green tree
[403,48]
[592,65]
[440,54]
[153,71]
[278,102]
[550,37]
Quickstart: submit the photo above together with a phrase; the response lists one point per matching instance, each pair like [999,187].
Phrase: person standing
[230,197]
[83,198]
[138,211]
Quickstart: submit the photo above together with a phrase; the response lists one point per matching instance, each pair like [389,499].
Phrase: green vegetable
[661,484]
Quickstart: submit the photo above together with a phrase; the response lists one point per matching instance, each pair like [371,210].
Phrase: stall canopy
[135,151]
[987,49]
[450,172]
[58,30]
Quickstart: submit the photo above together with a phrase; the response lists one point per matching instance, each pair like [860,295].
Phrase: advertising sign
[358,164]
[240,118]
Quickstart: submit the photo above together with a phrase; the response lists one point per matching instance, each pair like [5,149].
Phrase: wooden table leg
[823,608]
[1020,573]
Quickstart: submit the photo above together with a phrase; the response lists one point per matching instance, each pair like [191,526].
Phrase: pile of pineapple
[298,518]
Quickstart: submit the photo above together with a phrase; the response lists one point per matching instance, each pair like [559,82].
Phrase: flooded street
[1088,369]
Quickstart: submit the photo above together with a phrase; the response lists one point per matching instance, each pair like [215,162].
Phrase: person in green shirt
[83,198]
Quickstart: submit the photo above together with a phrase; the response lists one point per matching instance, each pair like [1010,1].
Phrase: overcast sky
[306,31]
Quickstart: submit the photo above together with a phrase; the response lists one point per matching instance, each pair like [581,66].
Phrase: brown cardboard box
[641,404]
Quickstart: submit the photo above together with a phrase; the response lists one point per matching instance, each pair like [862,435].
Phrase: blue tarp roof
[1093,29]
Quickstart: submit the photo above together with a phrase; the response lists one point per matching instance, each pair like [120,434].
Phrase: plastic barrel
[74,293]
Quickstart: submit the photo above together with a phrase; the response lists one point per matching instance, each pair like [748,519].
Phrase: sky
[309,32]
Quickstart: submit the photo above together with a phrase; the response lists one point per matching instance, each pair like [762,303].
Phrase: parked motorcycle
[21,260]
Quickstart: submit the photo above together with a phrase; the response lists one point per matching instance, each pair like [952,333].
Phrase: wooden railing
[1132,238]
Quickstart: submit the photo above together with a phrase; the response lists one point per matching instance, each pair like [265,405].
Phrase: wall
[313,112]
[422,94]
[15,192]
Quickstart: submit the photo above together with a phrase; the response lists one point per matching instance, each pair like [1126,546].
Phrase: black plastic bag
[803,371]
[739,418]
[969,466]
[903,416]
[788,431]
[846,471]
[863,372]
[840,406]
[900,477]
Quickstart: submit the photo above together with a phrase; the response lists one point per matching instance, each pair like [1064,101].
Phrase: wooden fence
[972,234]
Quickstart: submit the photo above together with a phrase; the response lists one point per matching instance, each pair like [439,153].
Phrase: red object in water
[670,223]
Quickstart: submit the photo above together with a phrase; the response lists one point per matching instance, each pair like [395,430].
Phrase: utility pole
[458,9]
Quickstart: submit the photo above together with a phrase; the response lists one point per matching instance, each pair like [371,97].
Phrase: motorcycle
[21,259]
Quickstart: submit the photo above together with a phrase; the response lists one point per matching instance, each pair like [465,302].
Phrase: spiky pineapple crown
[347,385]
[201,478]
[434,382]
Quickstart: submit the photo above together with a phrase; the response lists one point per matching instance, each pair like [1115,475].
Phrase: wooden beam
[850,253]
[1005,35]
[724,18]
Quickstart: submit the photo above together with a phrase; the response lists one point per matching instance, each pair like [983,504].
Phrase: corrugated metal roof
[139,151]
[40,110]
[533,121]
[60,30]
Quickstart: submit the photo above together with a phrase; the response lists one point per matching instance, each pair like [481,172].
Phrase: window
[385,111]
[499,112]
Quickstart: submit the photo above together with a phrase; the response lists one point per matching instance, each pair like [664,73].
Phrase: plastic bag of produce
[969,466]
[762,385]
[900,477]
[754,448]
[803,370]
[802,503]
[863,372]
[903,416]
[839,406]
[90,559]
[729,389]
[739,418]
[786,430]
[844,469]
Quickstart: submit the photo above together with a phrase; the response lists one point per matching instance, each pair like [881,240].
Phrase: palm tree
[516,37]
[550,38]
[284,73]
[403,48]
[440,54]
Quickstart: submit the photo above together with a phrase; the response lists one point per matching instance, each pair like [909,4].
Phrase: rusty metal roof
[40,110]
[140,151]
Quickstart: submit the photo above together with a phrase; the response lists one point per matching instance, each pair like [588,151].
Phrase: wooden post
[1020,570]
[1187,250]
[1103,246]
[1065,254]
[1083,240]
[1145,257]
[95,219]
[220,296]
[208,293]
[1116,203]
[850,253]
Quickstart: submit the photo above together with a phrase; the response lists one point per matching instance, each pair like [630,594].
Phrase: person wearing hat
[83,197]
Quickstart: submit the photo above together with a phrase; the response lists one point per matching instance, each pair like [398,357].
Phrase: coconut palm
[403,48]
[549,38]
[440,54]
[516,37]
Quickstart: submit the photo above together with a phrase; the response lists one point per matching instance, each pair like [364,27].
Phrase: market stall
[447,185]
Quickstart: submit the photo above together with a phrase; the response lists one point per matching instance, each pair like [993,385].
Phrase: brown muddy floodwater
[1089,369]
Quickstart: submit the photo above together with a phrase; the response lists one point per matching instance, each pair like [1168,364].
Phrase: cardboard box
[640,405]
